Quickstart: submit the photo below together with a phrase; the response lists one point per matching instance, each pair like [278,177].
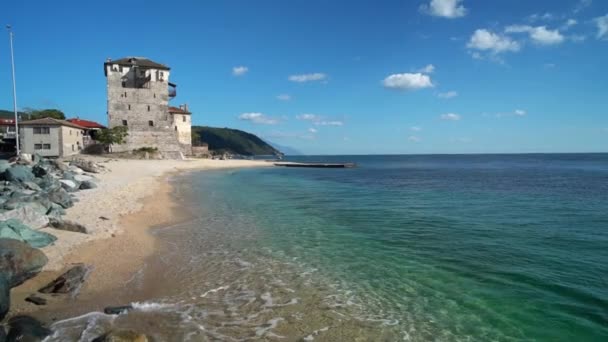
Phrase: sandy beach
[132,196]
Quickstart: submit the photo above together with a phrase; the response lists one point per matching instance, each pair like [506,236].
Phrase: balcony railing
[172,90]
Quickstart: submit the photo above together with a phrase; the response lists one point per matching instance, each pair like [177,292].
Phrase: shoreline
[132,204]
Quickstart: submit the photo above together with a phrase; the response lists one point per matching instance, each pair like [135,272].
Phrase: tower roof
[137,61]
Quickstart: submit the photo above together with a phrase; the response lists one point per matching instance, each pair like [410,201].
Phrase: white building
[50,137]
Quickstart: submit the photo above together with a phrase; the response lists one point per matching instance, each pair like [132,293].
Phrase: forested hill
[231,140]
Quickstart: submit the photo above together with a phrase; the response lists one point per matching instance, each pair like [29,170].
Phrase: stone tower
[138,97]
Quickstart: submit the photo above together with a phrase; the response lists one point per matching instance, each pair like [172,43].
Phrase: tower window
[151,123]
[154,95]
[124,122]
[129,107]
[148,108]
[183,118]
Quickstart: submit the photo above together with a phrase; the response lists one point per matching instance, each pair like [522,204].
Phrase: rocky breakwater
[34,194]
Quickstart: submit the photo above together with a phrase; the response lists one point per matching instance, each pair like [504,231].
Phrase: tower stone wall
[138,97]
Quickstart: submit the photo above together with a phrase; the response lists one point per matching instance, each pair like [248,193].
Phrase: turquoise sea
[420,248]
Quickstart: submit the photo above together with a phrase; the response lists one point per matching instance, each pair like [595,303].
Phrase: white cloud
[413,138]
[308,117]
[258,118]
[450,117]
[284,97]
[541,17]
[602,27]
[239,70]
[312,130]
[319,120]
[318,76]
[538,34]
[519,112]
[447,95]
[444,8]
[569,23]
[429,69]
[407,81]
[485,40]
[329,123]
[416,128]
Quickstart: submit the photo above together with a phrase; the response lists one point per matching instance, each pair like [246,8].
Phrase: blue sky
[337,77]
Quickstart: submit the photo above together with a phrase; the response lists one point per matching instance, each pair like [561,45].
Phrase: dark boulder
[40,170]
[56,211]
[61,197]
[69,185]
[18,263]
[14,229]
[35,300]
[5,295]
[85,165]
[47,182]
[69,282]
[68,225]
[18,173]
[87,185]
[117,310]
[32,214]
[61,166]
[26,329]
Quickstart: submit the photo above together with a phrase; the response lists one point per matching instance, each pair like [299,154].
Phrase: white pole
[10,35]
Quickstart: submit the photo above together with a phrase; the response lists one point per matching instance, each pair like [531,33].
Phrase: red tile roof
[176,110]
[86,123]
[7,122]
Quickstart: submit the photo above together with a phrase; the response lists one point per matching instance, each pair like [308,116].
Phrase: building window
[124,122]
[148,108]
[154,95]
[183,118]
[151,123]
[73,148]
[176,128]
[124,85]
[129,107]
[42,130]
[125,94]
[70,132]
[46,146]
[37,146]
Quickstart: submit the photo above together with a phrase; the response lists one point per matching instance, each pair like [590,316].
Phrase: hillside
[232,141]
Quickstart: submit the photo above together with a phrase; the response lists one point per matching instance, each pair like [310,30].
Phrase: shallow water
[477,247]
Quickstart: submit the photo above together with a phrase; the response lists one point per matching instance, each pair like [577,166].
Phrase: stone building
[50,137]
[139,92]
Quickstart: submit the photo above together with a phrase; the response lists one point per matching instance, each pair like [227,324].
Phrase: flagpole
[10,35]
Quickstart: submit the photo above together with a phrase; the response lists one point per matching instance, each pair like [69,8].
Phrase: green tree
[33,114]
[196,138]
[112,136]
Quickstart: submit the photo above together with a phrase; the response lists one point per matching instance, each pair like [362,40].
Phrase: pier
[317,165]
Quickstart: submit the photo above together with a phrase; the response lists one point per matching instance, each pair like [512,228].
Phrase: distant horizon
[436,154]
